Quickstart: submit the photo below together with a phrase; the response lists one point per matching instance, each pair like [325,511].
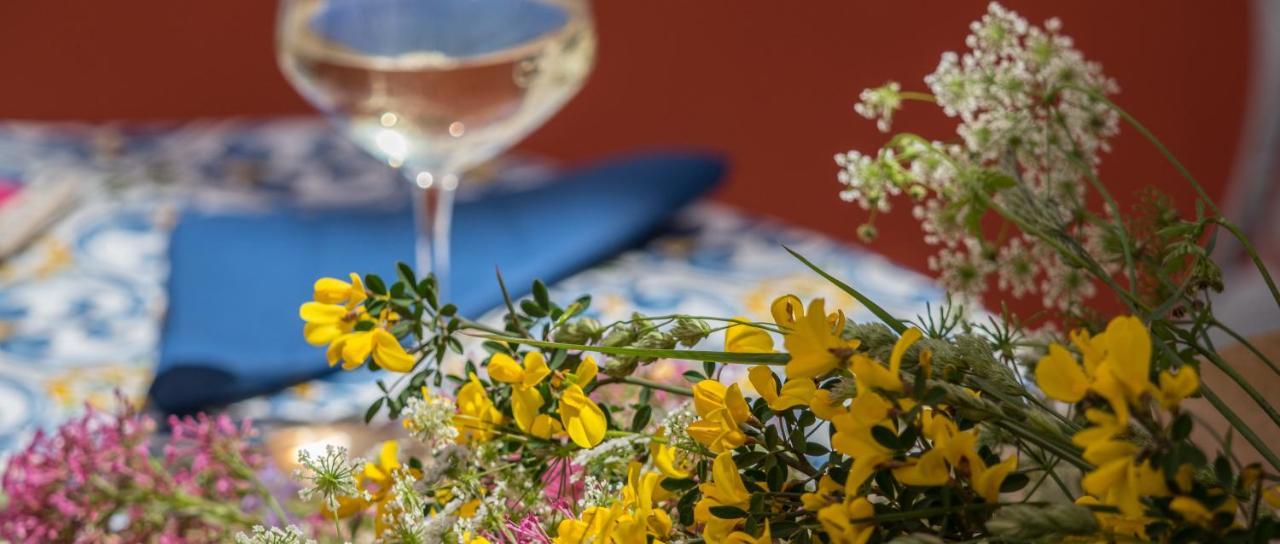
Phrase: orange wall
[770,83]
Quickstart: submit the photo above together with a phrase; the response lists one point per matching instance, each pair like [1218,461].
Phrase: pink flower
[562,482]
[93,478]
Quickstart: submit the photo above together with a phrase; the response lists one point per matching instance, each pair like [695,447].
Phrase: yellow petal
[535,369]
[1060,377]
[319,334]
[316,312]
[927,470]
[1129,352]
[795,393]
[505,369]
[1176,387]
[740,338]
[909,337]
[525,403]
[389,354]
[728,482]
[987,483]
[582,418]
[736,404]
[356,349]
[586,371]
[708,396]
[331,290]
[763,380]
[823,406]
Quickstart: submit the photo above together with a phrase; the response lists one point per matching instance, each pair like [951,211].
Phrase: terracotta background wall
[769,83]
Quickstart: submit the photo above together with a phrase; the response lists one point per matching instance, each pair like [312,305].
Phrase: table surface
[81,307]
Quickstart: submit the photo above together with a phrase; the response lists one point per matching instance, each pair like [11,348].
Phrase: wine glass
[434,87]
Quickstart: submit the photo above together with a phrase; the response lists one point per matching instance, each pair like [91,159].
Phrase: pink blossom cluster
[94,479]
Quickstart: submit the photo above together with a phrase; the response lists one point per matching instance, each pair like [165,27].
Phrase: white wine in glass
[434,87]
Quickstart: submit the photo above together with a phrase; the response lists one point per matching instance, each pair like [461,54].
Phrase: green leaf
[641,418]
[405,272]
[540,294]
[531,308]
[693,376]
[885,437]
[685,506]
[748,459]
[373,409]
[374,283]
[674,485]
[776,477]
[814,448]
[709,368]
[1014,482]
[448,310]
[728,512]
[1181,428]
[880,313]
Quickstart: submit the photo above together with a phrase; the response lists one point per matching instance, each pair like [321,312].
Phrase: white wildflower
[880,103]
[274,535]
[328,476]
[1016,268]
[430,420]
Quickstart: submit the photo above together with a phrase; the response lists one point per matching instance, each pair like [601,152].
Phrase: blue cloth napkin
[232,329]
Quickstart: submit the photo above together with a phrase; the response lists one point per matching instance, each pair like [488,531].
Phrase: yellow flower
[333,313]
[743,338]
[823,496]
[1272,496]
[526,400]
[1119,479]
[582,418]
[872,376]
[475,539]
[352,349]
[1116,366]
[663,456]
[739,537]
[1117,524]
[986,481]
[1174,388]
[813,339]
[506,370]
[824,407]
[629,520]
[476,413]
[336,291]
[796,392]
[853,437]
[838,521]
[325,322]
[724,489]
[721,411]
[1060,377]
[925,470]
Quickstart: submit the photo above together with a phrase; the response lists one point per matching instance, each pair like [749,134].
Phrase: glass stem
[433,214]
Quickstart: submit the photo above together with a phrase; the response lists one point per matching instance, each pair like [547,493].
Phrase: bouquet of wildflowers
[932,429]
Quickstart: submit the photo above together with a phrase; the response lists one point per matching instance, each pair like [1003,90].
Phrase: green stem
[775,359]
[884,316]
[1239,425]
[1253,255]
[1155,142]
[1111,204]
[632,380]
[1231,372]
[1247,344]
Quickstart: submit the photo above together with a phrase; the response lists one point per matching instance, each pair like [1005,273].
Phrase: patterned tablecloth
[80,308]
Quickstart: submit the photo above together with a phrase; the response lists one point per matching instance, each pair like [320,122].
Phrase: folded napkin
[232,329]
